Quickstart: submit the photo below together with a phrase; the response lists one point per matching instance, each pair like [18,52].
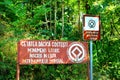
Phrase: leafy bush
[7,68]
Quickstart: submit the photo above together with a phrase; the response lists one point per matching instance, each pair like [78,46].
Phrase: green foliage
[7,67]
[108,60]
[35,20]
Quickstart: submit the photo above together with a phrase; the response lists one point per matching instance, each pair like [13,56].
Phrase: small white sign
[91,23]
[91,27]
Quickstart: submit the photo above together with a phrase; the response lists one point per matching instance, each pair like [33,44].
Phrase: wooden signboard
[51,52]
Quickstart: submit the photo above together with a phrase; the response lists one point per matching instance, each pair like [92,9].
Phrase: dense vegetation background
[59,20]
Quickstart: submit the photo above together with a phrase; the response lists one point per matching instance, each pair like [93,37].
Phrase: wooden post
[18,72]
[88,71]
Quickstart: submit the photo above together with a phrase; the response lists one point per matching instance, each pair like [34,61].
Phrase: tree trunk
[79,28]
[51,16]
[46,21]
[45,16]
[62,18]
[55,16]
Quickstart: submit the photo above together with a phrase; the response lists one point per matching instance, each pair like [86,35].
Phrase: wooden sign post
[51,52]
[18,72]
